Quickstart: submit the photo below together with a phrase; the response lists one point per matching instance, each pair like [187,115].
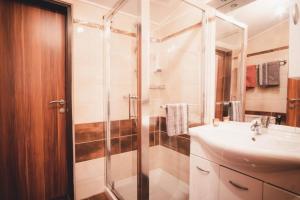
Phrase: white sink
[278,148]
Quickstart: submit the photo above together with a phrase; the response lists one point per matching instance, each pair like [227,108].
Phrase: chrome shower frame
[143,56]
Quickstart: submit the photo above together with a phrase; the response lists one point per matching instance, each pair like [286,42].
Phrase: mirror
[266,63]
[229,69]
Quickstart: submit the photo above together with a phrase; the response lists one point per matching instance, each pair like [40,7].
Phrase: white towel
[235,111]
[177,119]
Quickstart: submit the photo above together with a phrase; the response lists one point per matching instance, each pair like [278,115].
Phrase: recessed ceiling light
[234,5]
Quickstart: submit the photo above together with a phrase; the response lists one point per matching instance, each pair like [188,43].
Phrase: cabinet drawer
[273,193]
[204,179]
[237,186]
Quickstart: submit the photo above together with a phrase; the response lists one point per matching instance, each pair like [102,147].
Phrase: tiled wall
[90,138]
[88,96]
[180,143]
[89,141]
[271,99]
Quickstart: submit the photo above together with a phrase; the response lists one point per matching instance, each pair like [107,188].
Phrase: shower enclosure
[155,53]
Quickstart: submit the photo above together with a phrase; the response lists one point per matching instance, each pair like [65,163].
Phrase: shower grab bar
[129,106]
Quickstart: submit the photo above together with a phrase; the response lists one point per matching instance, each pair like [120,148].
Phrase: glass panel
[229,70]
[175,83]
[121,86]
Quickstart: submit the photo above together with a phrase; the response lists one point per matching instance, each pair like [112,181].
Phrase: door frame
[67,7]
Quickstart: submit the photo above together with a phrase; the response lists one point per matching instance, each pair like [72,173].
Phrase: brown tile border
[179,143]
[89,132]
[183,145]
[90,138]
[89,150]
[126,143]
[115,146]
[125,127]
[115,129]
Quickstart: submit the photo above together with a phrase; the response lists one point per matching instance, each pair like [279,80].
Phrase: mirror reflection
[266,64]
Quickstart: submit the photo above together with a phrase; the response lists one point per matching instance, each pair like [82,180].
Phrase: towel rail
[281,62]
[223,103]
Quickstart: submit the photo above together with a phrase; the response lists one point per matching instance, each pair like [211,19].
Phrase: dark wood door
[33,157]
[293,103]
[223,60]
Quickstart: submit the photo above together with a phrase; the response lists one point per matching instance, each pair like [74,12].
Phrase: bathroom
[149,99]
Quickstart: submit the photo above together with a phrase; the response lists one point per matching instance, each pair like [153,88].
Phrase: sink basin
[278,148]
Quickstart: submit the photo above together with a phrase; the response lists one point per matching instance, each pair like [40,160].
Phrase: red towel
[251,76]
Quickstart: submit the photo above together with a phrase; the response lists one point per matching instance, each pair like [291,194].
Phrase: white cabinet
[237,186]
[274,193]
[204,179]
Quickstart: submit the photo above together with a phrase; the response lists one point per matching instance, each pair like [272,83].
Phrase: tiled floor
[101,196]
[162,186]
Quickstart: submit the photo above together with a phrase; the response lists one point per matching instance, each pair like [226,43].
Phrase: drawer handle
[238,186]
[202,170]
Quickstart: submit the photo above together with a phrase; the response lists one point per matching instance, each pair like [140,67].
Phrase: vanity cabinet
[211,181]
[236,186]
[204,179]
[273,193]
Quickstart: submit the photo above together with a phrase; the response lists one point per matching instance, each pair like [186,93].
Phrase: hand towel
[235,111]
[269,74]
[273,73]
[251,76]
[177,119]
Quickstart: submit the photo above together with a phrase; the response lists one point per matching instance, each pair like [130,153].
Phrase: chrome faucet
[255,126]
[265,121]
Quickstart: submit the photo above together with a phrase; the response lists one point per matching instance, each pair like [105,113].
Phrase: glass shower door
[176,78]
[151,60]
[120,66]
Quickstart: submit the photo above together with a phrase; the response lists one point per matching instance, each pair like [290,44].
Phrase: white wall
[181,61]
[179,58]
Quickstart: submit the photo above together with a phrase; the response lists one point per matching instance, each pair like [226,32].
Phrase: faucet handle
[256,122]
[265,121]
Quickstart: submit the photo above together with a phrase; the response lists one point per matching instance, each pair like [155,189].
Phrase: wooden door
[223,66]
[293,102]
[33,147]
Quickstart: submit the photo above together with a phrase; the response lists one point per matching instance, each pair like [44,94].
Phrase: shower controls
[132,106]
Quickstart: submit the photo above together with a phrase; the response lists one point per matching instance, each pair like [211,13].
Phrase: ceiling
[227,5]
[261,14]
[250,12]
[160,9]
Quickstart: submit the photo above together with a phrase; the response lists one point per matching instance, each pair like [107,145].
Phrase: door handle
[203,170]
[238,186]
[60,102]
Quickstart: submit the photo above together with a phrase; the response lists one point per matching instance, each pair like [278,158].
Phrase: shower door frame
[143,119]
